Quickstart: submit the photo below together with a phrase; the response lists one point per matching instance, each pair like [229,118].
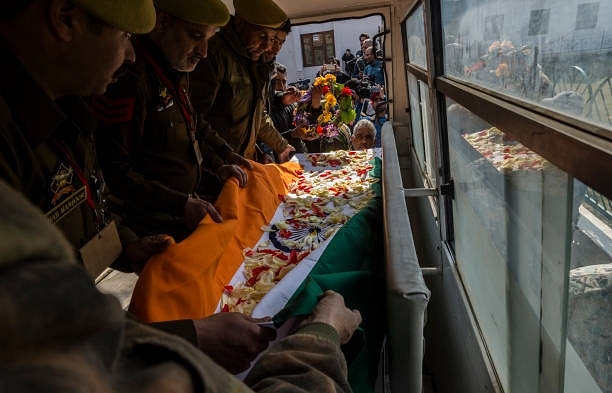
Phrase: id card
[101,250]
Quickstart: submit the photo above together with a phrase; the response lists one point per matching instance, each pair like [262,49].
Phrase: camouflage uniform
[227,90]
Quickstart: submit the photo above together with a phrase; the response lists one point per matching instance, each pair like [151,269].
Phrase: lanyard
[181,96]
[81,175]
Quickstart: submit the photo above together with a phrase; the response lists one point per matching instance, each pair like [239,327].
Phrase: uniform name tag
[102,250]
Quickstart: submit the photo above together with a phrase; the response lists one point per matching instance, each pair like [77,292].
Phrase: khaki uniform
[227,90]
[146,144]
[99,348]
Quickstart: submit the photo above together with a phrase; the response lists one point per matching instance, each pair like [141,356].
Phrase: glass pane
[555,57]
[589,328]
[417,123]
[511,220]
[415,38]
[429,140]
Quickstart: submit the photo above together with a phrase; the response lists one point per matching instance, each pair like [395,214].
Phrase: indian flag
[296,230]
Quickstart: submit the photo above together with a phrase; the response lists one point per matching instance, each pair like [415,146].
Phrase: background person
[364,135]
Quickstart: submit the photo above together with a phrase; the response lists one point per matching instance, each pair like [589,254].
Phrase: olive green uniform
[147,145]
[48,154]
[93,345]
[228,92]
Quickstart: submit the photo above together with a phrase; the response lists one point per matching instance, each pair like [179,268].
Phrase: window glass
[417,122]
[588,363]
[552,54]
[429,140]
[415,38]
[510,225]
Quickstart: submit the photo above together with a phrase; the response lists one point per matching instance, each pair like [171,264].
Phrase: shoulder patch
[113,110]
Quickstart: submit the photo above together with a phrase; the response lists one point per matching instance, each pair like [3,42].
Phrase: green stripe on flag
[353,265]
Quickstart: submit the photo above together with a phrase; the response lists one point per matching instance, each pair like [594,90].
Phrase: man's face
[277,44]
[363,138]
[184,43]
[99,52]
[256,39]
[280,82]
[368,55]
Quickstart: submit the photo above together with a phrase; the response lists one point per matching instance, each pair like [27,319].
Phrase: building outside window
[317,48]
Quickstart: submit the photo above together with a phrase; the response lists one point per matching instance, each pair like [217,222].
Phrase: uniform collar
[36,114]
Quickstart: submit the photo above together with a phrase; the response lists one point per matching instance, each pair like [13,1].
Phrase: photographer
[373,67]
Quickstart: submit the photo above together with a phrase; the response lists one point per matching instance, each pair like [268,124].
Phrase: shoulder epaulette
[113,110]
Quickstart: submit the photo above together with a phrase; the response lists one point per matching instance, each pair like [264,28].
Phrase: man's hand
[332,311]
[286,154]
[226,171]
[196,209]
[232,339]
[291,95]
[234,158]
[137,253]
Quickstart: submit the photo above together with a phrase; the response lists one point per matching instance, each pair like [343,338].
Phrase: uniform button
[171,124]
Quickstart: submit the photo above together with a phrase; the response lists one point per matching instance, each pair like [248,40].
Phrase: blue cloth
[375,70]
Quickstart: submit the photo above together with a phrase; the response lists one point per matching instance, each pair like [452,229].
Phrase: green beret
[202,12]
[135,16]
[264,13]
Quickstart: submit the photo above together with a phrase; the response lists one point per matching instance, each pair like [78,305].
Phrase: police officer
[46,132]
[228,87]
[147,140]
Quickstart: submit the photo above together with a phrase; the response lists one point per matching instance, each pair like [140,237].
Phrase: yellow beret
[135,16]
[202,12]
[264,13]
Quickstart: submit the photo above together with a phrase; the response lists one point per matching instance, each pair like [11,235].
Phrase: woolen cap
[135,16]
[201,12]
[265,13]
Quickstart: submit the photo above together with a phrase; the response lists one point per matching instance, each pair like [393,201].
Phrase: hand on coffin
[226,171]
[137,253]
[332,311]
[286,154]
[232,339]
[235,158]
[196,209]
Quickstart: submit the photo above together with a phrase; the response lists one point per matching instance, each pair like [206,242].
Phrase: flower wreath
[337,104]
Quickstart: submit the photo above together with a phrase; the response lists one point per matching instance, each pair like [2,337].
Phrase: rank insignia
[113,110]
[165,99]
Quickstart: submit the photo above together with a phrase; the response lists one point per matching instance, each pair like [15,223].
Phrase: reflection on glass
[415,37]
[429,141]
[589,328]
[417,123]
[552,53]
[510,217]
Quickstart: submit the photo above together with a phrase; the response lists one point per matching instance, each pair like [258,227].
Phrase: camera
[300,84]
[367,87]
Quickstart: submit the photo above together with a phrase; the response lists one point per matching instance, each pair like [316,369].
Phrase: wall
[346,35]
